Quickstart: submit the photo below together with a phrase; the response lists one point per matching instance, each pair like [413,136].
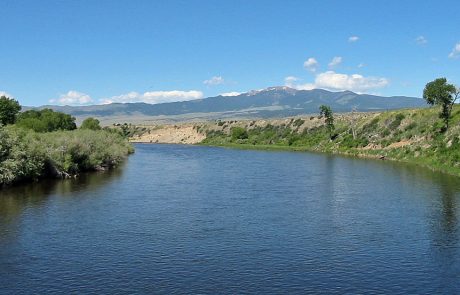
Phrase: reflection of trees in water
[14,199]
[445,233]
[443,219]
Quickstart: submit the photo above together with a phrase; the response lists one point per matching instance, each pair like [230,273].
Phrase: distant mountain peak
[272,89]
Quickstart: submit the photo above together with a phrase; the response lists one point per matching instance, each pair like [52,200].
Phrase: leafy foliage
[45,120]
[91,124]
[327,113]
[239,133]
[9,108]
[439,92]
[27,155]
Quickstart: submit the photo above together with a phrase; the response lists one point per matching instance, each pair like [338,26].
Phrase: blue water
[200,220]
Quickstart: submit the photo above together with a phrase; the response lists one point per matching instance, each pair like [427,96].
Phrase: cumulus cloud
[216,80]
[291,82]
[4,93]
[233,93]
[421,40]
[456,51]
[73,98]
[335,61]
[311,64]
[155,97]
[353,39]
[338,82]
[355,82]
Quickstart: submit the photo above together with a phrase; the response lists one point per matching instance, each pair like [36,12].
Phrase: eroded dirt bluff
[193,133]
[183,133]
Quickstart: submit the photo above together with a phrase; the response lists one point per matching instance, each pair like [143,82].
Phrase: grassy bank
[412,136]
[27,155]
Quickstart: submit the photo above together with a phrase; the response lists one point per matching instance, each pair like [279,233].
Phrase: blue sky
[91,52]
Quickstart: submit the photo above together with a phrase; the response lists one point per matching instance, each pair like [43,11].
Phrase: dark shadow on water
[14,199]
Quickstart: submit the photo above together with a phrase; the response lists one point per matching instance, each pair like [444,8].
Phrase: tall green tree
[46,120]
[329,118]
[9,108]
[439,92]
[91,123]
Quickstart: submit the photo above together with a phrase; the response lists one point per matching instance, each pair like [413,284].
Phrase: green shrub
[371,126]
[298,122]
[396,122]
[93,124]
[410,126]
[28,155]
[238,133]
[45,120]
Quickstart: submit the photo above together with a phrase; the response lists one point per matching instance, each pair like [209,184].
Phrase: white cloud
[305,86]
[4,93]
[155,97]
[216,80]
[421,40]
[335,61]
[361,65]
[290,80]
[73,98]
[338,82]
[311,64]
[353,39]
[456,51]
[233,93]
[355,82]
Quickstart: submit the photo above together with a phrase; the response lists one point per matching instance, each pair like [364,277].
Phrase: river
[203,220]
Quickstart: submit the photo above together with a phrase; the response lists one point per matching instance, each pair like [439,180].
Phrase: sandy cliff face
[184,133]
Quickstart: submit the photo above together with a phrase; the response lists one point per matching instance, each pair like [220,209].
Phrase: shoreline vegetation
[410,135]
[47,144]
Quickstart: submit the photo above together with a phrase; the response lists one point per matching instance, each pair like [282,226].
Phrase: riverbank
[410,135]
[26,155]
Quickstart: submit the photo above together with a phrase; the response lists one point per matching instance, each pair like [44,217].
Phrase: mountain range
[266,103]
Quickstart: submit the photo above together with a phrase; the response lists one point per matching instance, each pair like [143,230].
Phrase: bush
[45,120]
[298,122]
[91,124]
[371,126]
[9,108]
[27,155]
[239,133]
[396,122]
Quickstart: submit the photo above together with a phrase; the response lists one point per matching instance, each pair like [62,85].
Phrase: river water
[202,220]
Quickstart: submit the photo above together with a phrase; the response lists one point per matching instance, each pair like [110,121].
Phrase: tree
[9,108]
[90,123]
[354,121]
[239,133]
[46,120]
[327,113]
[439,92]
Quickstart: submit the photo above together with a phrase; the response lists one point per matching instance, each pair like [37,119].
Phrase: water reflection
[206,220]
[14,199]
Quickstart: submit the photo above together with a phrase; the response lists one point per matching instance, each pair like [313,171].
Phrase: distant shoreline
[406,136]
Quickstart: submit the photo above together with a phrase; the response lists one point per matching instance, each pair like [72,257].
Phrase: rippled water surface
[185,219]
